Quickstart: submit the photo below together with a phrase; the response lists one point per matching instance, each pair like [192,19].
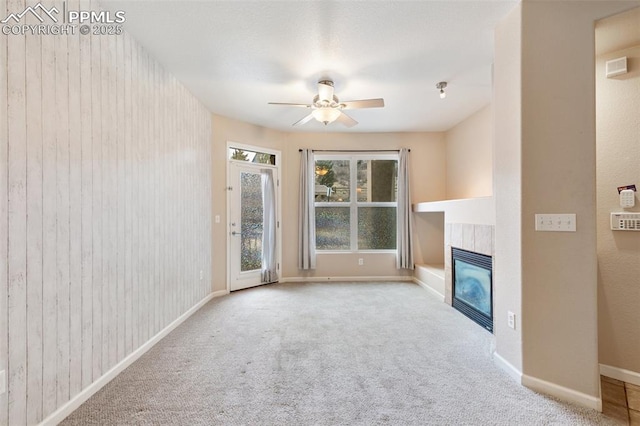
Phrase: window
[356,202]
[240,154]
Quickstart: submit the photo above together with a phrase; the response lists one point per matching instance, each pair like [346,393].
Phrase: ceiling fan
[327,108]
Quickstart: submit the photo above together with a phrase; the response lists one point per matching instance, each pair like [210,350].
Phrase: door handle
[236,233]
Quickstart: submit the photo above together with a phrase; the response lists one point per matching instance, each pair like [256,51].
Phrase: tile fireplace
[477,239]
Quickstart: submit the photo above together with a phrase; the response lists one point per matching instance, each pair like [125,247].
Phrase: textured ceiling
[236,56]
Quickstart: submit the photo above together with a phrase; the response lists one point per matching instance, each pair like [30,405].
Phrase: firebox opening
[473,286]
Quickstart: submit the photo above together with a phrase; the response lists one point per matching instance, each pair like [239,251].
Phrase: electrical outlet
[360,261]
[217,218]
[3,385]
[511,320]
[201,274]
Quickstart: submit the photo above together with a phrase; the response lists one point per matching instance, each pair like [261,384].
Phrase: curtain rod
[354,150]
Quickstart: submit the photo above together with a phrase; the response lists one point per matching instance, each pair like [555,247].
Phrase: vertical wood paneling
[62,215]
[153,191]
[86,126]
[163,225]
[34,228]
[120,198]
[112,117]
[135,189]
[4,197]
[106,196]
[190,208]
[174,201]
[102,205]
[49,226]
[97,211]
[143,220]
[17,235]
[155,140]
[128,201]
[75,213]
[148,205]
[186,291]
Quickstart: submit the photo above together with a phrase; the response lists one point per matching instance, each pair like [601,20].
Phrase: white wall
[427,163]
[507,100]
[470,156]
[545,163]
[428,183]
[104,210]
[618,163]
[230,130]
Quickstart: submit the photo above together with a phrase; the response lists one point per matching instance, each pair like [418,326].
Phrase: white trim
[429,288]
[61,413]
[253,148]
[507,367]
[561,392]
[218,293]
[353,204]
[278,169]
[343,279]
[626,376]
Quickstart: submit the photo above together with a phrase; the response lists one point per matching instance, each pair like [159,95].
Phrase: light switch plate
[556,222]
[3,382]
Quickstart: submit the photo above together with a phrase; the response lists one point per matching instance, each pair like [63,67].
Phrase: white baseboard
[627,376]
[218,293]
[61,413]
[562,393]
[343,279]
[507,367]
[429,289]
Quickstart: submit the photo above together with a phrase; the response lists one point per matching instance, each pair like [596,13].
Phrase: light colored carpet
[324,354]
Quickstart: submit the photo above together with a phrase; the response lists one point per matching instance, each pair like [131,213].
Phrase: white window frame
[353,202]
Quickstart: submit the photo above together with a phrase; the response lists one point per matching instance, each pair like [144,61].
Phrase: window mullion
[353,181]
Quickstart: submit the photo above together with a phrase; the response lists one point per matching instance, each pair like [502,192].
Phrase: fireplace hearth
[473,286]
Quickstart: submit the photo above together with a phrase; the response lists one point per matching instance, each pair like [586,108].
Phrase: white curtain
[306,213]
[269,268]
[404,257]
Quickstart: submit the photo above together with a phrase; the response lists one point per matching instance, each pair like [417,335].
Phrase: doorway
[253,238]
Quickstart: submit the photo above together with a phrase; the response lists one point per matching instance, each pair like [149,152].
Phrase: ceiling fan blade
[290,104]
[363,103]
[346,120]
[303,120]
[325,90]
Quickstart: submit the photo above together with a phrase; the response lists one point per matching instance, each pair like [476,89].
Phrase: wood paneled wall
[105,215]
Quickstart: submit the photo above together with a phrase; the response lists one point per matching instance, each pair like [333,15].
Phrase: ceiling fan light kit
[327,108]
[326,115]
[441,86]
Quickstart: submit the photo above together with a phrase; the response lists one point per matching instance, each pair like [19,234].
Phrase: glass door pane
[251,220]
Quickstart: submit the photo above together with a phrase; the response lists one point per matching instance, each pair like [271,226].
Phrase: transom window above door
[242,154]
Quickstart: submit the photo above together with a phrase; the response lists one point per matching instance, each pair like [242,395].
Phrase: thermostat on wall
[625,221]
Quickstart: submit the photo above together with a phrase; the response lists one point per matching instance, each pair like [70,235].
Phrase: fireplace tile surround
[471,237]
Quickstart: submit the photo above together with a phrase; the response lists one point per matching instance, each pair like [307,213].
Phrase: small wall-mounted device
[627,196]
[616,67]
[627,199]
[625,221]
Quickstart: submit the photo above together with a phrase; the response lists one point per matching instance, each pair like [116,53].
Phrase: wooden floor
[621,400]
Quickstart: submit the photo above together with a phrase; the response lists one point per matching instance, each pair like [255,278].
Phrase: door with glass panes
[246,224]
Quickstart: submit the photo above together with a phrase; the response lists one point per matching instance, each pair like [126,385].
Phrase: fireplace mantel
[479,210]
